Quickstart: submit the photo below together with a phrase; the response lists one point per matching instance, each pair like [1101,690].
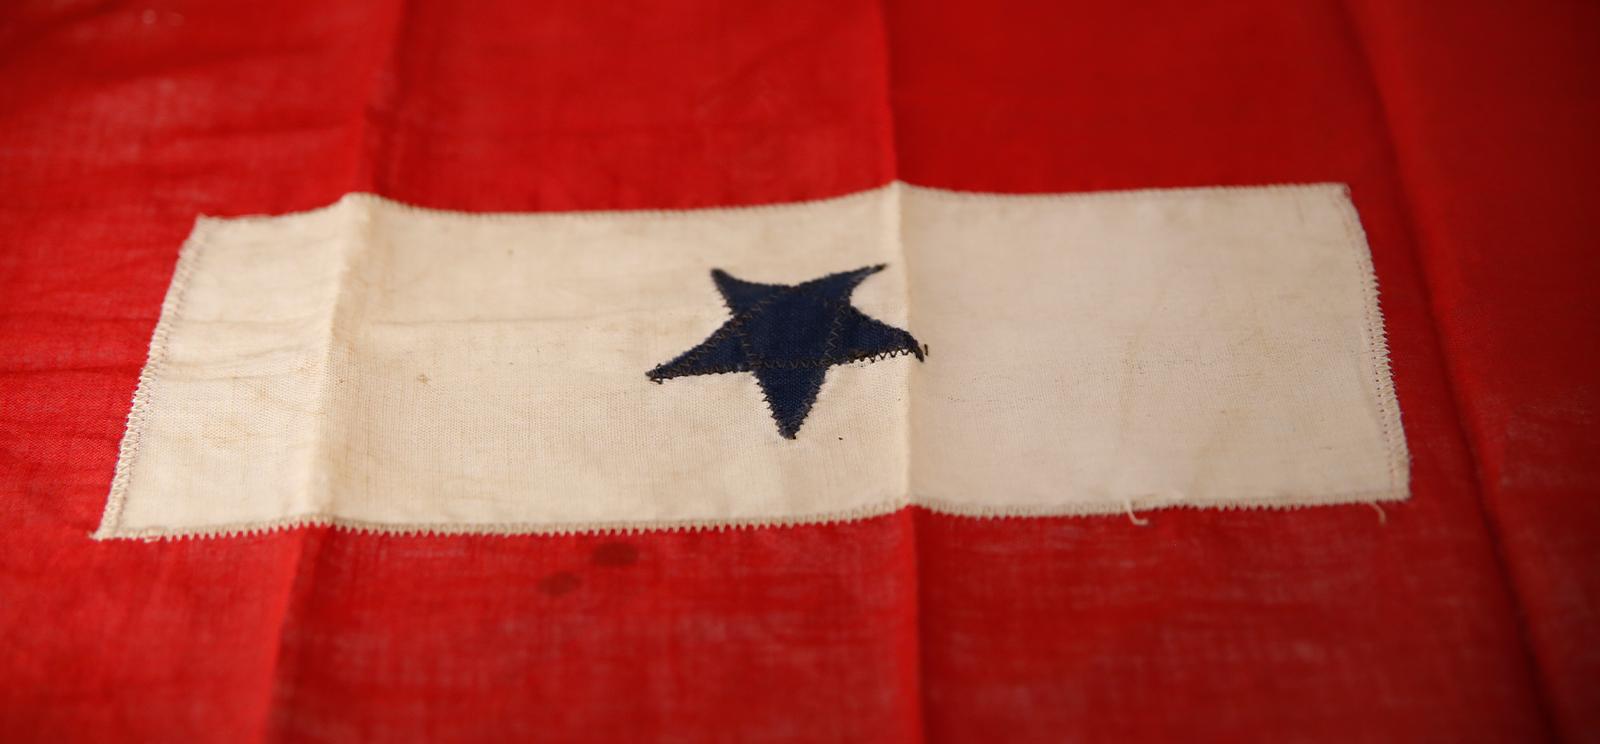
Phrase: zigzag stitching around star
[869,357]
[684,365]
[790,386]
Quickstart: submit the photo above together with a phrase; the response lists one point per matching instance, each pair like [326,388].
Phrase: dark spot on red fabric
[557,584]
[616,554]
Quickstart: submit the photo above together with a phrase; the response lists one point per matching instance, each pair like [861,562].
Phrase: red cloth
[1467,614]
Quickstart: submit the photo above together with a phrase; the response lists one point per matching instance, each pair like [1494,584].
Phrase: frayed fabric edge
[1119,509]
[171,306]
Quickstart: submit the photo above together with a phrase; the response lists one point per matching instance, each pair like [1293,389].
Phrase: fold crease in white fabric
[384,367]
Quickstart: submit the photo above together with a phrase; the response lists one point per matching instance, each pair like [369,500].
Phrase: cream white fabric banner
[379,366]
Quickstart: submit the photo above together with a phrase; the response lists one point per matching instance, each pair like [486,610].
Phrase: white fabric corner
[378,366]
[1131,350]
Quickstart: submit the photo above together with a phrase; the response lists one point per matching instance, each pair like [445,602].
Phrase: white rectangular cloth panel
[385,367]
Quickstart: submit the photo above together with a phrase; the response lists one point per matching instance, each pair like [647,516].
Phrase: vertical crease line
[1464,429]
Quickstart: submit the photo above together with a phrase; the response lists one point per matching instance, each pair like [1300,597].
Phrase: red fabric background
[1465,614]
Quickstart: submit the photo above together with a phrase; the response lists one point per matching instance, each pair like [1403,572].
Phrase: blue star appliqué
[788,336]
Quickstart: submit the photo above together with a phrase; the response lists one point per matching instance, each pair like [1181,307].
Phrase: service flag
[798,371]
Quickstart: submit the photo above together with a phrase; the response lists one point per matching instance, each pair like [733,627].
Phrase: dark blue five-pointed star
[788,336]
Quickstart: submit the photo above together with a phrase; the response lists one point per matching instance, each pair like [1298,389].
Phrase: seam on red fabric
[919,713]
[1413,231]
[272,689]
[369,174]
